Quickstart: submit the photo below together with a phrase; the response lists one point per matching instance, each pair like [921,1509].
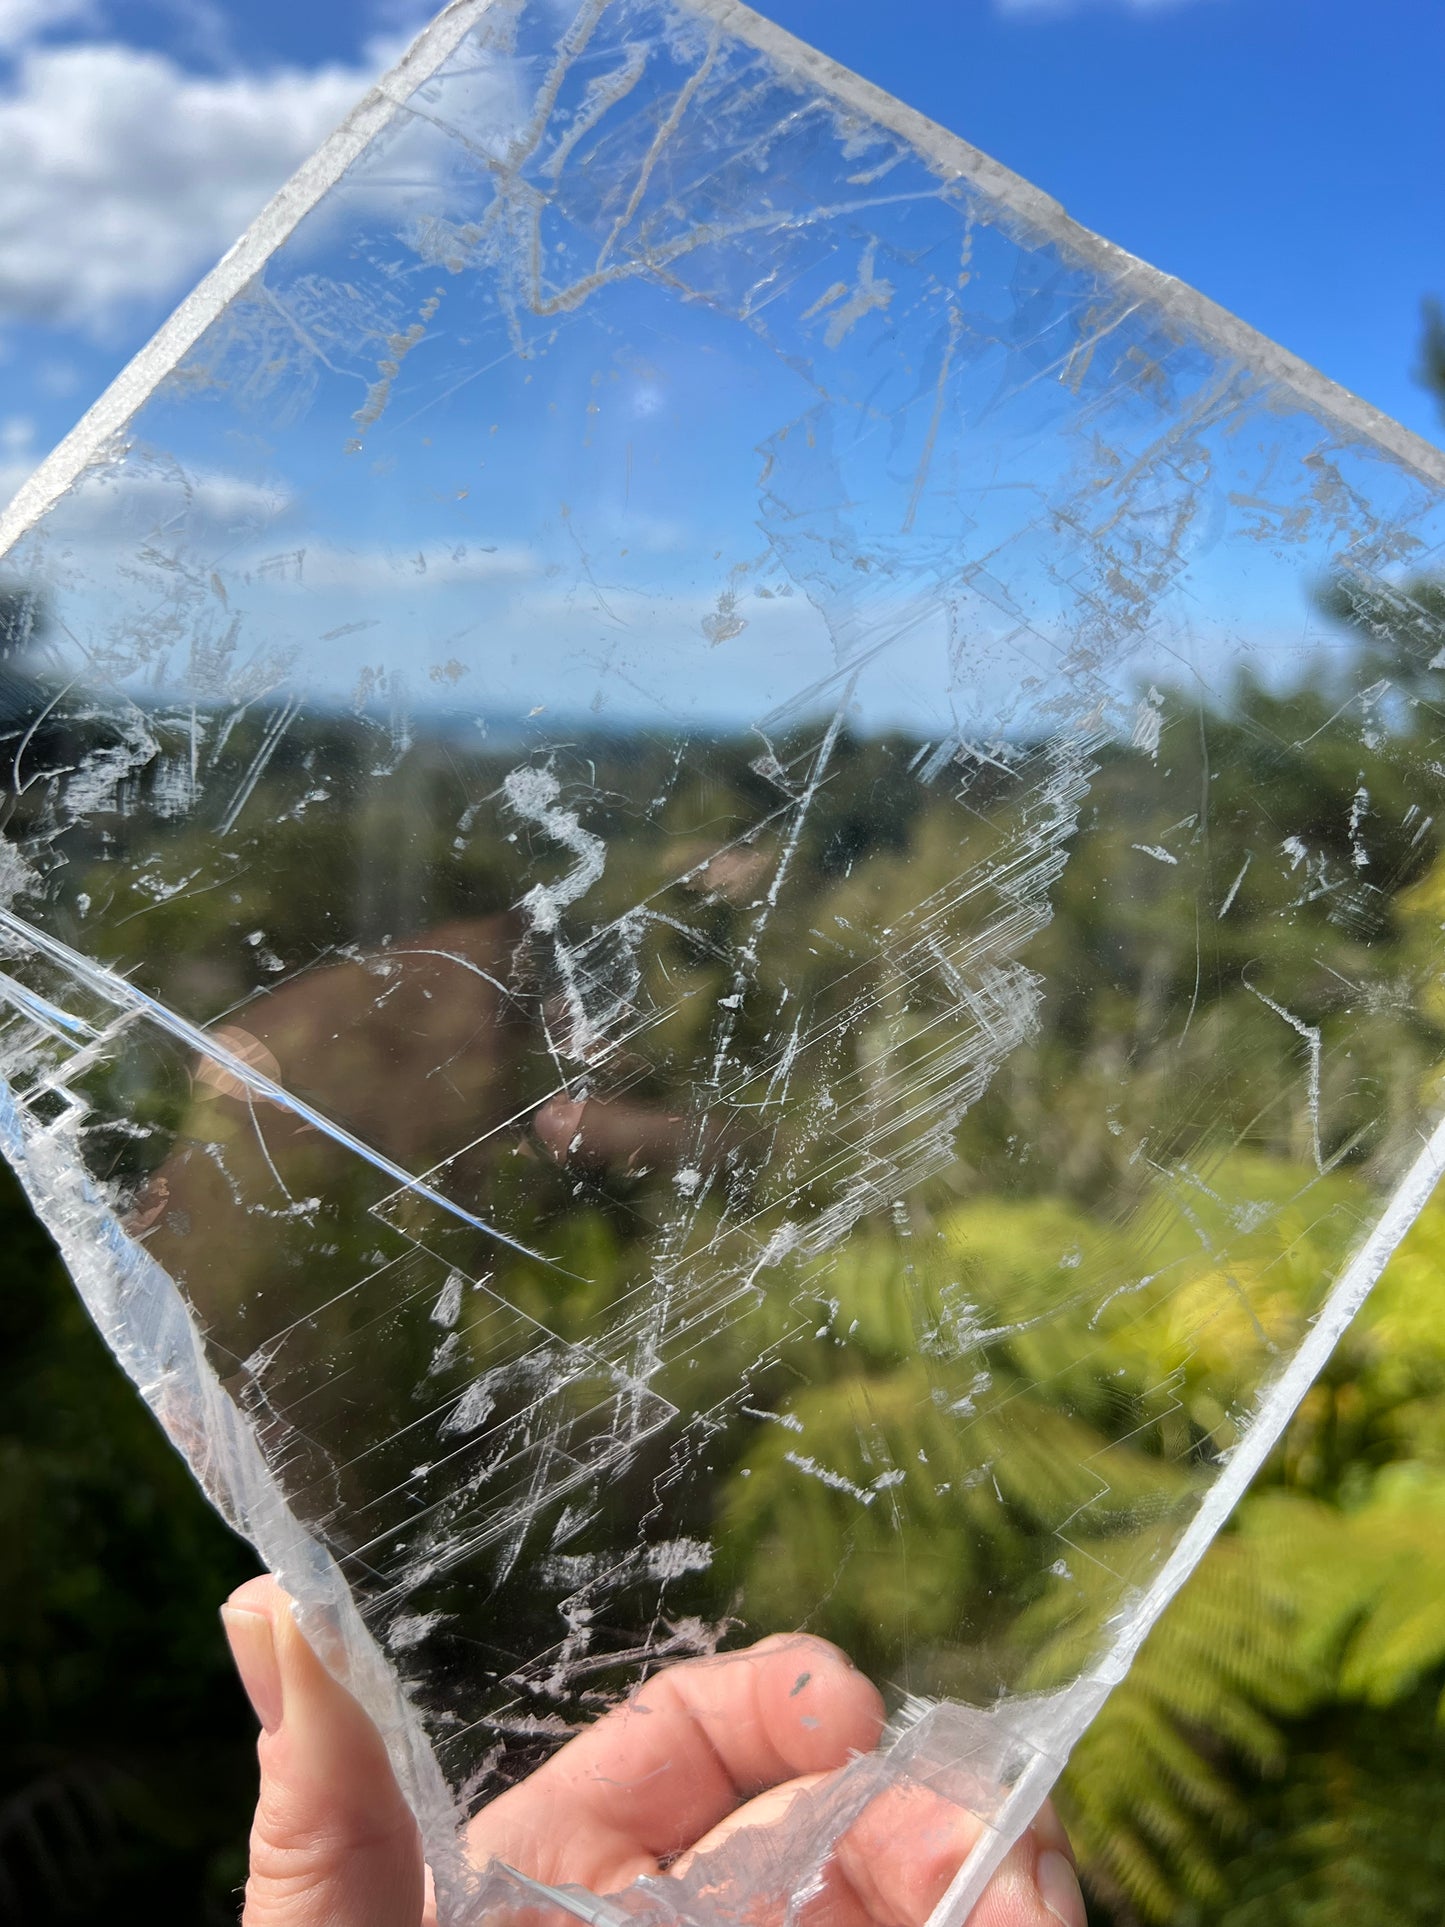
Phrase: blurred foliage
[125,1744]
[1274,1755]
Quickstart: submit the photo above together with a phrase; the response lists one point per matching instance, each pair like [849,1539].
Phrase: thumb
[333,1843]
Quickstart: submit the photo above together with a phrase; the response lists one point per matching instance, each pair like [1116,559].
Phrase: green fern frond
[1154,1784]
[1303,1607]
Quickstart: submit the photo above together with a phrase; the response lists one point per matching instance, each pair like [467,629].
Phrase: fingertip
[317,1741]
[909,1845]
[1048,1831]
[1059,1889]
[809,1647]
[259,1595]
[252,1639]
[1035,1887]
[905,1850]
[333,1838]
[307,1686]
[818,1708]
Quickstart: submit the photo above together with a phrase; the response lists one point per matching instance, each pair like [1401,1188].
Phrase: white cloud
[22,21]
[126,176]
[199,508]
[367,572]
[204,506]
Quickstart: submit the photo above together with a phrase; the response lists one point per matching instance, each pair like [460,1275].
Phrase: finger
[769,1809]
[890,1868]
[903,1853]
[660,1771]
[1035,1887]
[333,1843]
[899,1858]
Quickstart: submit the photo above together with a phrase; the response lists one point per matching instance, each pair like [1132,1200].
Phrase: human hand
[702,1749]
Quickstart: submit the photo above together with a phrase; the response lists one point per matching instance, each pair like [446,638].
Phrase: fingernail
[253,1647]
[1059,1890]
[1048,1831]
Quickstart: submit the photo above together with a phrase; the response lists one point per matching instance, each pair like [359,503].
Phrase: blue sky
[1285,156]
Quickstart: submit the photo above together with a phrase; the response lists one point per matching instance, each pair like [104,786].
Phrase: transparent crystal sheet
[706,826]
